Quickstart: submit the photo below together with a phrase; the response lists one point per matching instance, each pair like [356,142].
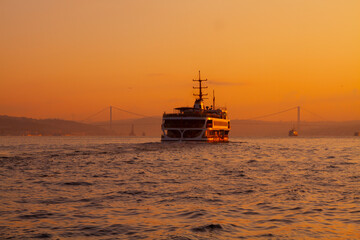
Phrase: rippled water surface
[139,188]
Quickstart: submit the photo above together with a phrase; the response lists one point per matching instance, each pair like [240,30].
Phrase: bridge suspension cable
[137,114]
[110,109]
[95,114]
[276,113]
[271,114]
[317,115]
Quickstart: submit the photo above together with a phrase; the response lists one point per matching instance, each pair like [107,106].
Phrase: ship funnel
[199,104]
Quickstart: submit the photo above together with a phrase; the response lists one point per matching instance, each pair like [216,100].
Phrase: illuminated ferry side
[197,123]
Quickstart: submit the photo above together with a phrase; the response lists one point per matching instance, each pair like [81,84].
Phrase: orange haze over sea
[70,59]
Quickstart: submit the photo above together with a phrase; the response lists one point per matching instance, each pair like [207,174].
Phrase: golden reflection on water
[255,189]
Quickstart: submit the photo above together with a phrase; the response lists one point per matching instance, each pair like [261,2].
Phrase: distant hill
[21,126]
[243,128]
[151,126]
[253,128]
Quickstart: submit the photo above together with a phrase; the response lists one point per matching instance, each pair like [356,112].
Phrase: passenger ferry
[197,123]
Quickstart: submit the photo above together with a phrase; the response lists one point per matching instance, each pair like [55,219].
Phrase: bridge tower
[298,118]
[110,117]
[132,133]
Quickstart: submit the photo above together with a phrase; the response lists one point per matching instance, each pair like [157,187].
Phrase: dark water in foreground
[138,188]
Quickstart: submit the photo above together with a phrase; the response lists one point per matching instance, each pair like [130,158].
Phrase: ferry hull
[208,140]
[206,132]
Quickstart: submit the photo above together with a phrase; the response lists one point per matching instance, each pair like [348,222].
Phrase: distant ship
[197,123]
[357,134]
[293,133]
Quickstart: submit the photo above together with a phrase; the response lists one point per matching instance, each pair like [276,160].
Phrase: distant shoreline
[150,127]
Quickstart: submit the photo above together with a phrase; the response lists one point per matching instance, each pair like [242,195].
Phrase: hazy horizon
[69,60]
[160,116]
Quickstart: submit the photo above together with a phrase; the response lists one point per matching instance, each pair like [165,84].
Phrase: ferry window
[191,123]
[220,123]
[228,124]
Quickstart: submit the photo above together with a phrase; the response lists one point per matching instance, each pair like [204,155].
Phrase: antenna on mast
[200,87]
[214,99]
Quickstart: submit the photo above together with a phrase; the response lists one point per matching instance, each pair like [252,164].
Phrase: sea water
[140,188]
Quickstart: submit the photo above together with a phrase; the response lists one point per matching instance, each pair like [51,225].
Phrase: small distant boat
[357,134]
[293,133]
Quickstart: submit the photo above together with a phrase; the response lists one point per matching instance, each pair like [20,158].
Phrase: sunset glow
[70,59]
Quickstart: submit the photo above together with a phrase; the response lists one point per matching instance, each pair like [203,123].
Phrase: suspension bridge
[110,109]
[110,112]
[297,108]
[295,128]
[299,114]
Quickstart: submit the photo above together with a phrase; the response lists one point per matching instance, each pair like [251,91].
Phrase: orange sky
[69,59]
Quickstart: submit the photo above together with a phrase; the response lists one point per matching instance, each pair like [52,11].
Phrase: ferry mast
[200,95]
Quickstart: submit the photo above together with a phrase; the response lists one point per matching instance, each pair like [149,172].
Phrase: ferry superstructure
[197,123]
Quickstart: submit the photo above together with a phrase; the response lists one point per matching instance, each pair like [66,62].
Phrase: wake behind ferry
[197,123]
